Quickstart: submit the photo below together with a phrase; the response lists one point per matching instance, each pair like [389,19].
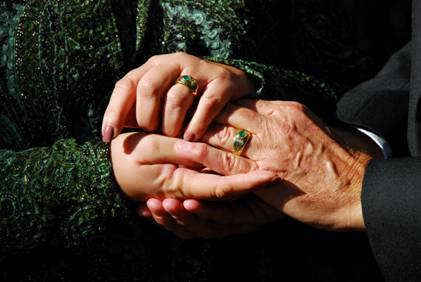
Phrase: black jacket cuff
[391,200]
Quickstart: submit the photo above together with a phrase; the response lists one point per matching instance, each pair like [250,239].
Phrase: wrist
[360,151]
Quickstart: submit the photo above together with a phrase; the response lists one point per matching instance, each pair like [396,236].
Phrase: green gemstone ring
[241,139]
[188,81]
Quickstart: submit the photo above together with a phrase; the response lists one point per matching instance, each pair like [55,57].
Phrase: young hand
[149,97]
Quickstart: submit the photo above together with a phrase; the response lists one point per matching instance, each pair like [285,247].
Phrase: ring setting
[241,138]
[189,82]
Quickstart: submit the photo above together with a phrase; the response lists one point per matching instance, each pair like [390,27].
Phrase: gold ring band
[188,81]
[241,138]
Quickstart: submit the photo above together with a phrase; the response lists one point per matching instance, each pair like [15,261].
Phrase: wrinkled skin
[320,170]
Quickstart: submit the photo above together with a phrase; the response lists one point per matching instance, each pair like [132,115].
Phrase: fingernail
[108,134]
[183,147]
[155,206]
[191,205]
[189,136]
[170,205]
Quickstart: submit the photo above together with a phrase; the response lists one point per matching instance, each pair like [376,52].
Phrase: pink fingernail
[191,205]
[108,134]
[189,136]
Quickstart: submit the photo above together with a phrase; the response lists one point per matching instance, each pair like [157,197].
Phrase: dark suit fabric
[389,105]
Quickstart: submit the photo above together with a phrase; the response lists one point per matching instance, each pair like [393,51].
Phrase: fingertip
[155,205]
[171,205]
[108,134]
[191,205]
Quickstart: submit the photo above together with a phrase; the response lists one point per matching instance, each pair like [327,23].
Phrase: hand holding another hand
[321,169]
[149,97]
[146,165]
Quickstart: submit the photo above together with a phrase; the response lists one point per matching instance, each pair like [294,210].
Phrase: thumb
[222,162]
[193,184]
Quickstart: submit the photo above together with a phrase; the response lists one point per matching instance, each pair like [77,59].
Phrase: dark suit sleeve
[391,196]
[391,201]
[381,104]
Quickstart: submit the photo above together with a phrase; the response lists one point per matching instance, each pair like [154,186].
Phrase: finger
[158,212]
[222,136]
[260,106]
[171,181]
[242,118]
[192,184]
[150,91]
[156,149]
[144,211]
[189,223]
[180,215]
[222,162]
[146,181]
[178,100]
[213,100]
[164,219]
[121,102]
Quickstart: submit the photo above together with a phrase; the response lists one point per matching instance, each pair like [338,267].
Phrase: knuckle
[211,102]
[226,75]
[296,106]
[229,162]
[148,88]
[174,100]
[179,54]
[201,151]
[224,136]
[165,176]
[125,84]
[175,187]
[154,60]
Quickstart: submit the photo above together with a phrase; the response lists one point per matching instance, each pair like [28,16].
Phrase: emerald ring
[241,138]
[188,81]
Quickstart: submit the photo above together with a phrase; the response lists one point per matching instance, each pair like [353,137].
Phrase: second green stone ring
[188,81]
[241,139]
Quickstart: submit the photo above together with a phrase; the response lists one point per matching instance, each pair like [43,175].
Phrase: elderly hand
[143,94]
[322,169]
[146,166]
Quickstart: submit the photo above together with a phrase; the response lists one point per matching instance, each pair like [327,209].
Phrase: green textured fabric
[61,215]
